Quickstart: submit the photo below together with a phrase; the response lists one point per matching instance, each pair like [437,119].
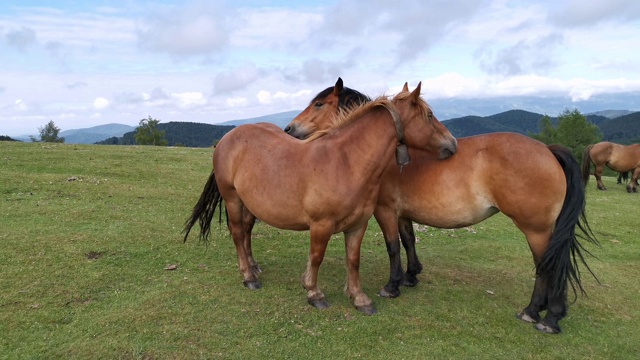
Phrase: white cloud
[189,99]
[101,103]
[237,101]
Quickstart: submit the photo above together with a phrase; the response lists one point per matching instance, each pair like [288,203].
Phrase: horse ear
[405,88]
[415,95]
[337,88]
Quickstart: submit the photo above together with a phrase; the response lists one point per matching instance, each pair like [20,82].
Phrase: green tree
[147,133]
[574,132]
[547,132]
[49,133]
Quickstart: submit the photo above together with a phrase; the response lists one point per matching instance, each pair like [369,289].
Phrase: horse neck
[367,143]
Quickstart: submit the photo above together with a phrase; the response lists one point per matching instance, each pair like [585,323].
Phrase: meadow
[93,266]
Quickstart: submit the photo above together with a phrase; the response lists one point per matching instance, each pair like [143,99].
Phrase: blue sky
[86,63]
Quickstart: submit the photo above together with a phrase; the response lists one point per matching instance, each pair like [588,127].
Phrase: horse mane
[350,113]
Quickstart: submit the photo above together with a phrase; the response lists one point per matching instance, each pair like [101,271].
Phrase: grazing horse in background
[617,157]
[326,184]
[539,187]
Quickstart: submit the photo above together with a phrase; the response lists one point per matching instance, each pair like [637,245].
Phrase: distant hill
[94,134]
[623,130]
[180,133]
[520,121]
[280,119]
[612,114]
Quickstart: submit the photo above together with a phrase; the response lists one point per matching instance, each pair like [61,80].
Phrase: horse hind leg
[598,175]
[237,227]
[408,237]
[248,221]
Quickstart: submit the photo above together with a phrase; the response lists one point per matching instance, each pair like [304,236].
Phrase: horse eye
[317,104]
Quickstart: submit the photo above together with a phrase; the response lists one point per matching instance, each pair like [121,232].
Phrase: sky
[87,63]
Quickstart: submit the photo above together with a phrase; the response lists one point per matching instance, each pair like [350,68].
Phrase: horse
[326,184]
[539,187]
[620,158]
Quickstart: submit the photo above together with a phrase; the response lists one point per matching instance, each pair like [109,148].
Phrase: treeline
[179,134]
[7,138]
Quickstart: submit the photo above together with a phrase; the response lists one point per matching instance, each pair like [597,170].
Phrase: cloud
[101,103]
[199,28]
[21,39]
[406,30]
[529,56]
[577,13]
[280,97]
[236,79]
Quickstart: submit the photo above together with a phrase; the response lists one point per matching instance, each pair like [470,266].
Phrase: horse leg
[237,228]
[632,186]
[408,237]
[598,175]
[248,221]
[320,236]
[352,243]
[388,222]
[531,313]
[538,242]
[556,311]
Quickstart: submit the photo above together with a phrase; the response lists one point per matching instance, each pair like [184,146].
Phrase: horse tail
[559,264]
[586,164]
[204,210]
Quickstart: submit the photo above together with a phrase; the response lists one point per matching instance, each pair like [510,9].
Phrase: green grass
[82,275]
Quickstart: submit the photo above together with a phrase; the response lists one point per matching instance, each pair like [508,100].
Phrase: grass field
[87,231]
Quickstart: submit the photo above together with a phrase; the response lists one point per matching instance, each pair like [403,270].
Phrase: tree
[147,133]
[49,133]
[547,132]
[574,132]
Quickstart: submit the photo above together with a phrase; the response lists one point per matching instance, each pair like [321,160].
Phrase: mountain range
[463,117]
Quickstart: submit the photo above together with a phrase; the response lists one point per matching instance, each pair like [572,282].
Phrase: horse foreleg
[238,229]
[632,186]
[388,222]
[408,237]
[353,242]
[320,236]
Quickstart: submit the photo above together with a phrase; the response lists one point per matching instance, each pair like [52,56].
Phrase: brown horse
[327,184]
[537,186]
[617,157]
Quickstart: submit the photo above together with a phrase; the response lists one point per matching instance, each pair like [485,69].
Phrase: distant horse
[539,187]
[327,184]
[623,177]
[617,157]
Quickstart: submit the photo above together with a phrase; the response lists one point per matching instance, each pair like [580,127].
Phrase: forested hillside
[624,129]
[525,122]
[180,133]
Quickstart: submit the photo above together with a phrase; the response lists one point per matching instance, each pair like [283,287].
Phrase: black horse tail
[559,264]
[205,209]
[586,165]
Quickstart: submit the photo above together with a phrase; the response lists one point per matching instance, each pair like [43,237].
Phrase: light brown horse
[537,186]
[326,185]
[620,158]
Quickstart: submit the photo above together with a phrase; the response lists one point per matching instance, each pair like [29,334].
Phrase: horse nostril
[287,129]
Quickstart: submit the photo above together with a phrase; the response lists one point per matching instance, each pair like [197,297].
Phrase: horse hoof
[547,329]
[389,294]
[319,303]
[253,284]
[525,317]
[367,310]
